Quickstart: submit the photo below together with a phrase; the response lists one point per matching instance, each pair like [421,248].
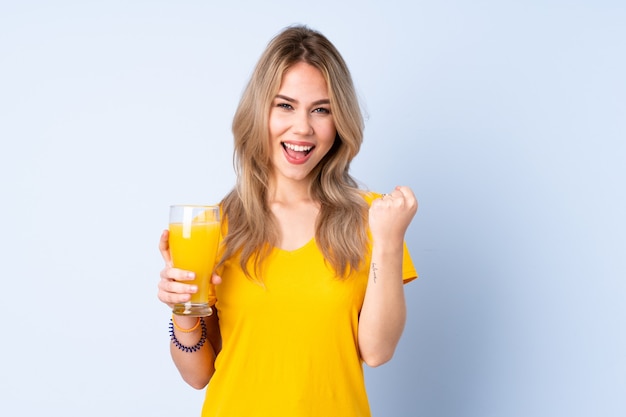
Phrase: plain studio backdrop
[507,118]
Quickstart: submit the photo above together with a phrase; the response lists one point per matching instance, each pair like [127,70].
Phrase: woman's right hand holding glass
[172,288]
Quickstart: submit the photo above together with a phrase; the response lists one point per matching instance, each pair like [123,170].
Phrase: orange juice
[193,247]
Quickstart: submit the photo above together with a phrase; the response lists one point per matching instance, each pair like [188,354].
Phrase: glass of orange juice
[194,240]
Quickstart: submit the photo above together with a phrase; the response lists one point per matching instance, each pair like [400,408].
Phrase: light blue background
[507,118]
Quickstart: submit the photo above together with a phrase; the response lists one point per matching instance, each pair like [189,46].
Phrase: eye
[285,106]
[322,110]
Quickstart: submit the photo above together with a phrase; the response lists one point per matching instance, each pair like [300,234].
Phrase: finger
[216,279]
[404,190]
[176,287]
[176,274]
[173,292]
[408,195]
[173,298]
[164,247]
[393,194]
[384,201]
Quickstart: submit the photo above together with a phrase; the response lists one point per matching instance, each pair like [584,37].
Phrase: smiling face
[301,126]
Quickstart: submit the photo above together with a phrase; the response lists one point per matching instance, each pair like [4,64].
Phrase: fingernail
[191,275]
[194,288]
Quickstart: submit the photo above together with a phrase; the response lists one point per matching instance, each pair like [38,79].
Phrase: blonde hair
[341,228]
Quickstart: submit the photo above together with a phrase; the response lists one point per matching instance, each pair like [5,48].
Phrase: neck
[289,191]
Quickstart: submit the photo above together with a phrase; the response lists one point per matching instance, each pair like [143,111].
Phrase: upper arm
[214,335]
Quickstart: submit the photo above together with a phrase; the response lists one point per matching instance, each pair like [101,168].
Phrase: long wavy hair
[341,226]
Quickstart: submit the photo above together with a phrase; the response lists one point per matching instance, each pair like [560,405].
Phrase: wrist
[186,343]
[384,250]
[185,324]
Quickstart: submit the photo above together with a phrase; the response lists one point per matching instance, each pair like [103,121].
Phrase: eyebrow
[293,100]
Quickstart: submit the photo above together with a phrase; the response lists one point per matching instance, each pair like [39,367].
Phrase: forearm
[195,367]
[383,314]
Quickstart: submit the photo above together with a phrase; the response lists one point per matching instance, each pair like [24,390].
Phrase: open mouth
[297,151]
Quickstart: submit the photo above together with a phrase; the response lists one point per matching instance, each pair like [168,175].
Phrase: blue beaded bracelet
[184,348]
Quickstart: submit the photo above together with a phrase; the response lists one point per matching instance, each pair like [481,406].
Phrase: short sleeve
[408,269]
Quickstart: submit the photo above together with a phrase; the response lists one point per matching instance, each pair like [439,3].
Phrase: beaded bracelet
[184,348]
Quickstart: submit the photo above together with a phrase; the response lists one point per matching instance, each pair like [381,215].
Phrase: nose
[302,124]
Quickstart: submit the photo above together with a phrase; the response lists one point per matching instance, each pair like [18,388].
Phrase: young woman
[310,279]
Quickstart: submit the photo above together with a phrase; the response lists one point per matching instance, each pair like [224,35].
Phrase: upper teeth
[298,148]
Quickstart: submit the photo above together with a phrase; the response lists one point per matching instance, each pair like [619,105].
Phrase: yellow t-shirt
[290,344]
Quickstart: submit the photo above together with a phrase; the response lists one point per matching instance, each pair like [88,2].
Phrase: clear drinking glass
[194,240]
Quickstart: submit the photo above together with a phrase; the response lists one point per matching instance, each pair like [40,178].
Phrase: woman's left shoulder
[369,196]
